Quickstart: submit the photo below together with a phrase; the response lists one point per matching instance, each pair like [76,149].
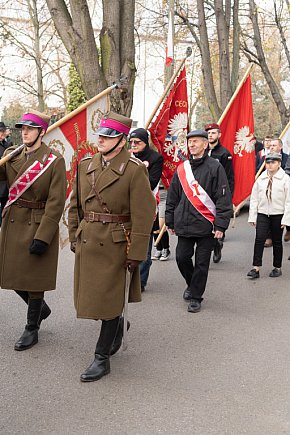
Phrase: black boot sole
[97,378]
[19,349]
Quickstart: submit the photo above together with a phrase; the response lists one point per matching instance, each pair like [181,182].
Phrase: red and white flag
[169,130]
[73,139]
[237,135]
[169,48]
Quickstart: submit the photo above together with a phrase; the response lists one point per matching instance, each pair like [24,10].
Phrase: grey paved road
[224,370]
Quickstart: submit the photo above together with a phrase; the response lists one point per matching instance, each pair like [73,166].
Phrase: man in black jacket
[139,141]
[198,210]
[220,153]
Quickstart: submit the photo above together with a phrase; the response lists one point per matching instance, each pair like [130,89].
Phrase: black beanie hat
[140,133]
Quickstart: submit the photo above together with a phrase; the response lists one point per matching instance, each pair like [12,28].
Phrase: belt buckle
[91,216]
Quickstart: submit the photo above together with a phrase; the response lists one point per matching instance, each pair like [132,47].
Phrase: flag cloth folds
[169,130]
[237,135]
[285,137]
[74,139]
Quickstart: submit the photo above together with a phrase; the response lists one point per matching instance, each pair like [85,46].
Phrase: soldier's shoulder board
[136,160]
[86,158]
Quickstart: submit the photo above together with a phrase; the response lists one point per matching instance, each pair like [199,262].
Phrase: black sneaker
[253,274]
[275,273]
[194,306]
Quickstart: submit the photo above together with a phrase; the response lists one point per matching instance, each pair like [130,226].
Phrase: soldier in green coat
[29,239]
[110,218]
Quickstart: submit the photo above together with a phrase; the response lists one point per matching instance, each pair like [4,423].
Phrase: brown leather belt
[91,216]
[29,204]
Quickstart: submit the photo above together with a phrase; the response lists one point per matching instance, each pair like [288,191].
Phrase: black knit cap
[140,133]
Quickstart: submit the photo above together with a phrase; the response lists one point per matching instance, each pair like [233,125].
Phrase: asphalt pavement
[224,370]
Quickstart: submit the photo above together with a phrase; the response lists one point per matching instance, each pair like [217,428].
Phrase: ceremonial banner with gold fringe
[73,137]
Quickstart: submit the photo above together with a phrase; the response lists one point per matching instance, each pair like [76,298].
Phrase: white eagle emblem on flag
[244,141]
[176,142]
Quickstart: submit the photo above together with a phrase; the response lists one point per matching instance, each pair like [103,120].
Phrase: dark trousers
[195,276]
[263,226]
[164,241]
[146,264]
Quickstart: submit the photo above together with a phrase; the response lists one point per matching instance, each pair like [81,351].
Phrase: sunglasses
[135,141]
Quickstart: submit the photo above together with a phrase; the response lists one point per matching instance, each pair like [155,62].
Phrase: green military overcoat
[20,270]
[99,277]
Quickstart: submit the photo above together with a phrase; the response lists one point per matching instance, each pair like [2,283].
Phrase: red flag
[237,135]
[76,132]
[169,130]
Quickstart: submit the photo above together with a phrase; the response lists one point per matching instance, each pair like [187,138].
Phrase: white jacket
[280,203]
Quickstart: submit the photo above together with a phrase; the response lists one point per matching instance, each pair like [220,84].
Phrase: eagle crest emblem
[175,142]
[244,141]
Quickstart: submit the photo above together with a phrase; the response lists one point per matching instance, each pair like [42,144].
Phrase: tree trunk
[282,34]
[128,68]
[77,35]
[236,47]
[117,46]
[222,21]
[206,63]
[284,113]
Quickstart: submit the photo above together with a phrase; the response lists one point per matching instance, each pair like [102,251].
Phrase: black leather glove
[73,247]
[131,265]
[38,247]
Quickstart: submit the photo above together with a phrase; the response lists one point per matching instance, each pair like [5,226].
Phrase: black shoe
[253,274]
[99,368]
[119,336]
[217,251]
[142,289]
[275,273]
[187,294]
[194,306]
[27,339]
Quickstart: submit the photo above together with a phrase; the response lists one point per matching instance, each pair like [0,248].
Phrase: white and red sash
[28,177]
[195,194]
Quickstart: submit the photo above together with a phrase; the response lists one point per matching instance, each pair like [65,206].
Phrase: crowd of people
[112,231]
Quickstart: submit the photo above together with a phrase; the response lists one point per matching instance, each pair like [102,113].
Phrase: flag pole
[82,107]
[188,53]
[236,92]
[284,131]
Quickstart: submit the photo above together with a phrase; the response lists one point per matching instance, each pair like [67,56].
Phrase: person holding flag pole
[36,179]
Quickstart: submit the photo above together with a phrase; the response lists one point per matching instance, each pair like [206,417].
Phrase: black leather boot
[30,335]
[119,336]
[101,364]
[45,310]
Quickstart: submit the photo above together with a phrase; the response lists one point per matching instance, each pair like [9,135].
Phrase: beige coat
[280,198]
[20,270]
[101,248]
